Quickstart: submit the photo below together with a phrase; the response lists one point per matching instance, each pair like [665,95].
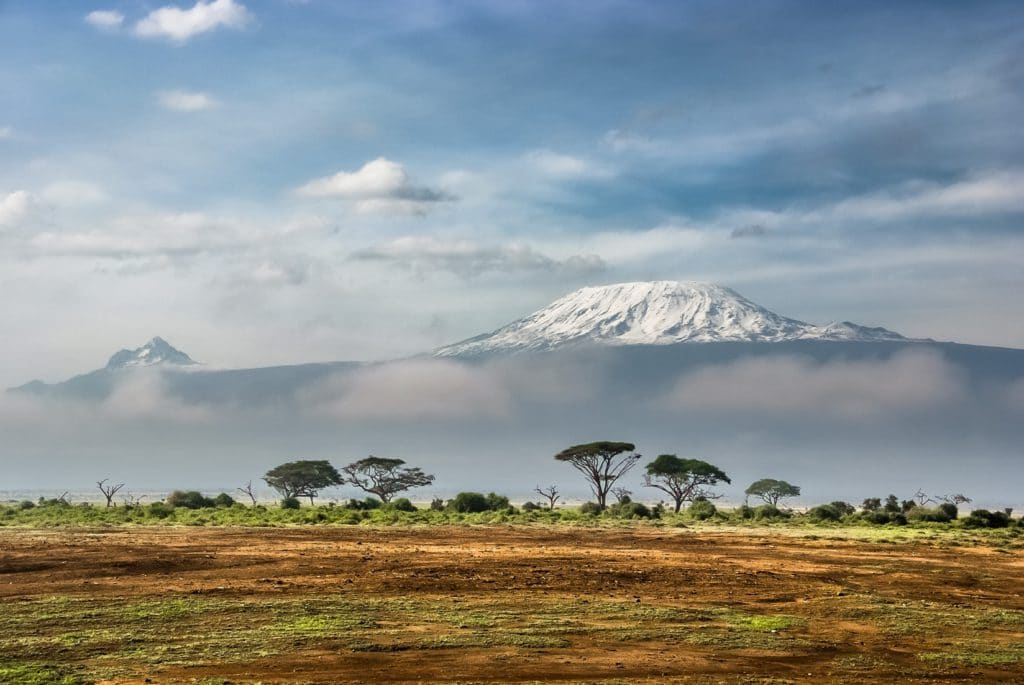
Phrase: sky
[272,182]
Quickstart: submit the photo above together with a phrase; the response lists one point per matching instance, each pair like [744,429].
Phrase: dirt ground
[503,604]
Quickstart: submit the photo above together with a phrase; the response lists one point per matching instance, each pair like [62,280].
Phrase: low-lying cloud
[907,383]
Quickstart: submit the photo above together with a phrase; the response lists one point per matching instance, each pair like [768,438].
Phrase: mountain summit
[655,313]
[157,351]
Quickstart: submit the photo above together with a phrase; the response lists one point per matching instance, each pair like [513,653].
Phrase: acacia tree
[384,477]
[683,480]
[248,490]
[772,491]
[601,463]
[304,478]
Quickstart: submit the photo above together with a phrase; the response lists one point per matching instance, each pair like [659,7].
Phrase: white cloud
[180,25]
[73,193]
[185,101]
[559,165]
[468,258]
[909,382]
[16,206]
[105,20]
[380,185]
[6,133]
[414,390]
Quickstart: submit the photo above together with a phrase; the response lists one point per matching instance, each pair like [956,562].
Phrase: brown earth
[505,604]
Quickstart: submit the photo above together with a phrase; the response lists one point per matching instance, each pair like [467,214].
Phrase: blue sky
[273,182]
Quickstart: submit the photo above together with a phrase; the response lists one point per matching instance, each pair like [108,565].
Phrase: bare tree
[955,499]
[549,493]
[109,490]
[248,490]
[131,501]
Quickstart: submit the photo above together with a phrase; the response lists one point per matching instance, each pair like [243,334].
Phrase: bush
[188,500]
[825,512]
[937,515]
[530,506]
[364,504]
[291,503]
[159,510]
[592,508]
[469,503]
[745,512]
[844,508]
[701,509]
[769,511]
[951,510]
[402,504]
[26,504]
[629,510]
[437,504]
[223,500]
[983,518]
[497,502]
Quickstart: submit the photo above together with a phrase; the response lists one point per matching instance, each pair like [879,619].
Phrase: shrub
[878,517]
[223,500]
[364,504]
[745,511]
[159,510]
[983,518]
[769,511]
[26,504]
[824,512]
[951,510]
[469,503]
[188,500]
[844,508]
[402,504]
[590,508]
[701,509]
[629,510]
[530,506]
[937,515]
[497,502]
[437,504]
[291,503]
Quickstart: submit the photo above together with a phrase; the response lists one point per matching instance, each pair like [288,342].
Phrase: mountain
[656,313]
[156,352]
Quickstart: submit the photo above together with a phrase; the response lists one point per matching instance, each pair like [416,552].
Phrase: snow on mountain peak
[655,313]
[156,351]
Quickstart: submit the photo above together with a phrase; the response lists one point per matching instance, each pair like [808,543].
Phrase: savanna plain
[525,601]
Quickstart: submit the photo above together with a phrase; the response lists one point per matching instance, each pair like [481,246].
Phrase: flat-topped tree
[772,491]
[384,477]
[683,480]
[601,463]
[304,478]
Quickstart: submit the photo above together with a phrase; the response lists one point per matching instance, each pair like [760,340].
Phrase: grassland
[588,601]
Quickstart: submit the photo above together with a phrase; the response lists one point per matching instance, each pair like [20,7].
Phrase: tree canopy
[304,478]
[384,477]
[771,491]
[683,479]
[601,463]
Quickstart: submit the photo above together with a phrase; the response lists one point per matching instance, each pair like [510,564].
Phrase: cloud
[413,390]
[185,101]
[908,382]
[379,185]
[749,231]
[467,258]
[563,166]
[105,20]
[16,206]
[180,25]
[6,133]
[73,193]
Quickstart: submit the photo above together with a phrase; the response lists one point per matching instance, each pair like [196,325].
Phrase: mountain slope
[156,352]
[655,313]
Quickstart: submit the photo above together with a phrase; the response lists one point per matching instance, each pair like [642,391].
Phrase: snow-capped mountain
[655,313]
[156,352]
